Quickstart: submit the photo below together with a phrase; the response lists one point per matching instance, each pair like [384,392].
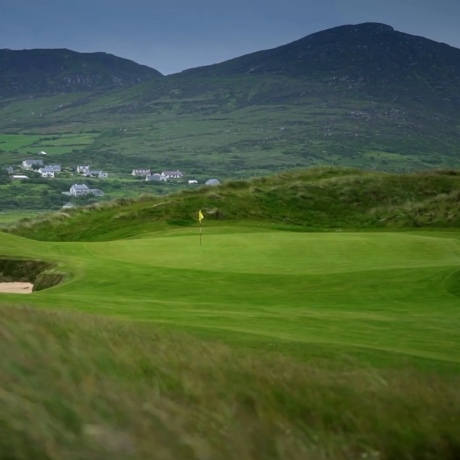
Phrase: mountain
[371,58]
[41,71]
[361,95]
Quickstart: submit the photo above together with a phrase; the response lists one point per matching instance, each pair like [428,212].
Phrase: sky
[174,35]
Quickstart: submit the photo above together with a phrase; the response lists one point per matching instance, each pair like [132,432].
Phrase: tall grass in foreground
[80,387]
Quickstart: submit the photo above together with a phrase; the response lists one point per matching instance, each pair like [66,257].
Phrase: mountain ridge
[37,71]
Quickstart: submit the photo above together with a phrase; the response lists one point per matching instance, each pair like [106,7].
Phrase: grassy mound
[320,198]
[75,386]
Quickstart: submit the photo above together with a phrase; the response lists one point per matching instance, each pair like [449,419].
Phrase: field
[256,344]
[14,148]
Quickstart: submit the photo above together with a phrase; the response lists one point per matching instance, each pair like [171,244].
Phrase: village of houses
[80,189]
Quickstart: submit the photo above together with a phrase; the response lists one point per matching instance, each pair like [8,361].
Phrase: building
[96,173]
[141,172]
[82,169]
[172,174]
[213,182]
[49,170]
[19,177]
[83,189]
[79,190]
[154,177]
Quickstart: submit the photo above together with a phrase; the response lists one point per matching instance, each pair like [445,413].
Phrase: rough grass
[318,198]
[79,387]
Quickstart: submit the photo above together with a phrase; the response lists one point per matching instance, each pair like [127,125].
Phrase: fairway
[382,296]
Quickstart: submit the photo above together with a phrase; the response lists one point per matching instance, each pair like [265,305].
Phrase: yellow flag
[200,216]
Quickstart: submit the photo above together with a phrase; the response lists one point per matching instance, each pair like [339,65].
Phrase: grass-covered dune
[318,198]
[259,343]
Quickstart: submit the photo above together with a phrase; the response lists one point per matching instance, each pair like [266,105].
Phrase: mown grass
[385,298]
[76,386]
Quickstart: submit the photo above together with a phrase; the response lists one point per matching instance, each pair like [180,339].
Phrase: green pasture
[27,144]
[381,297]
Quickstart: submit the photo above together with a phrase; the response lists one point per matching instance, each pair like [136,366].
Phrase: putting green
[391,292]
[291,253]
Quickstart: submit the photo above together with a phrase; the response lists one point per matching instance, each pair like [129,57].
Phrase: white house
[98,173]
[82,169]
[141,172]
[49,170]
[83,189]
[192,182]
[79,190]
[172,174]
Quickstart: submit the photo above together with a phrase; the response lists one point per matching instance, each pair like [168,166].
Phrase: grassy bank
[318,198]
[76,387]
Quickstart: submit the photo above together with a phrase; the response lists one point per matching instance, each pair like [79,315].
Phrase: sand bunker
[16,288]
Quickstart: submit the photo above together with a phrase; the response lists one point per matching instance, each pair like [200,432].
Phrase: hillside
[362,96]
[317,199]
[50,71]
[370,58]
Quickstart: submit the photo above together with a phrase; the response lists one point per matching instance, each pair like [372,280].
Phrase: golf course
[336,344]
[377,293]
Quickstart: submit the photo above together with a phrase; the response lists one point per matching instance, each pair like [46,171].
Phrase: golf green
[391,293]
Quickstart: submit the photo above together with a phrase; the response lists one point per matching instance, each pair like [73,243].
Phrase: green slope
[317,198]
[390,297]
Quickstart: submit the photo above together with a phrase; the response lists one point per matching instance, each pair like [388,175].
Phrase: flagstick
[200,232]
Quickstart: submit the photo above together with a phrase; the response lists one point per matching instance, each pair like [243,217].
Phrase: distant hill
[40,71]
[371,58]
[361,96]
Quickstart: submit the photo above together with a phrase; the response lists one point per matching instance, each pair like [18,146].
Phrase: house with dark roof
[154,177]
[79,190]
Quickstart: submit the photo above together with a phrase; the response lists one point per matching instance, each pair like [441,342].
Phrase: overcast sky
[173,35]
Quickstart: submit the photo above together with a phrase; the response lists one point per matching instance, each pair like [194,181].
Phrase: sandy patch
[16,288]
